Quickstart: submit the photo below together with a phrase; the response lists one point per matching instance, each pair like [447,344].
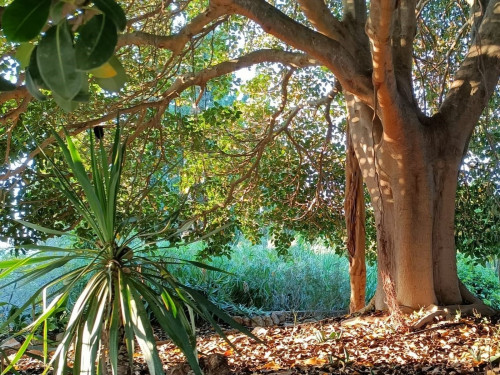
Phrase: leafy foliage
[121,281]
[57,62]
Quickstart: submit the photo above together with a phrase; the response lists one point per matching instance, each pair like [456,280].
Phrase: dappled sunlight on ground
[371,345]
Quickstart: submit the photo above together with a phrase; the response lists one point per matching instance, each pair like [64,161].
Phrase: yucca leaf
[203,302]
[40,228]
[74,161]
[114,330]
[169,302]
[74,323]
[88,346]
[126,315]
[12,265]
[99,184]
[104,163]
[68,191]
[53,306]
[114,182]
[174,326]
[6,357]
[144,332]
[78,343]
[44,269]
[90,195]
[55,249]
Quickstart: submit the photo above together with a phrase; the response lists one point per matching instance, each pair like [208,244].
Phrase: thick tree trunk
[355,225]
[412,189]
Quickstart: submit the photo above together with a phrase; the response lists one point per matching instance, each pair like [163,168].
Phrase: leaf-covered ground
[372,345]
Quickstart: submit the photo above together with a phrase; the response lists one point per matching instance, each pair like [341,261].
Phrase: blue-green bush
[481,280]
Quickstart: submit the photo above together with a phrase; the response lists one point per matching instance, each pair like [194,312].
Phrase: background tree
[414,84]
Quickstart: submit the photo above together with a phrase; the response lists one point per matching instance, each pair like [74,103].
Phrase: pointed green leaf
[144,333]
[178,329]
[104,71]
[96,43]
[57,63]
[114,329]
[23,20]
[92,331]
[68,105]
[12,265]
[34,81]
[126,315]
[116,82]
[40,228]
[23,54]
[114,11]
[33,88]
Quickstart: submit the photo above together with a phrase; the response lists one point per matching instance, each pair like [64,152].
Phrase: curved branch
[20,93]
[268,55]
[320,16]
[379,30]
[329,52]
[405,27]
[175,42]
[181,84]
[476,78]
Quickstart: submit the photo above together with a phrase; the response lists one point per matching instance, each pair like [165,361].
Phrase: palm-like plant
[121,285]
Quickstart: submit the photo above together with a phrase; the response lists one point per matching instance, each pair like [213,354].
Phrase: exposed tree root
[358,316]
[472,306]
[368,308]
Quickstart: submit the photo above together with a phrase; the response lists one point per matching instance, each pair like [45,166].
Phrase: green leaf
[34,81]
[13,265]
[126,314]
[57,63]
[23,54]
[40,228]
[177,328]
[68,105]
[96,205]
[33,87]
[57,11]
[144,332]
[6,85]
[104,71]
[116,82]
[114,329]
[83,95]
[114,11]
[96,43]
[23,20]
[89,343]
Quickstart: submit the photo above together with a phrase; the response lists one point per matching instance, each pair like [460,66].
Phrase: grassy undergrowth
[311,277]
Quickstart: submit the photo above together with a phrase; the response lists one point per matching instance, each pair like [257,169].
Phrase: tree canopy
[235,109]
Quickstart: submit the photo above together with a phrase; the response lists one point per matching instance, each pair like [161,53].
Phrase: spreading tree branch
[329,52]
[200,78]
[174,42]
[476,78]
[379,30]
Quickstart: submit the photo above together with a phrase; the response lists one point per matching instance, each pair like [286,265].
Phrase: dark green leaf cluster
[62,43]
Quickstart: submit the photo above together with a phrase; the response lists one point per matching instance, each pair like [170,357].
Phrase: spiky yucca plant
[122,286]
